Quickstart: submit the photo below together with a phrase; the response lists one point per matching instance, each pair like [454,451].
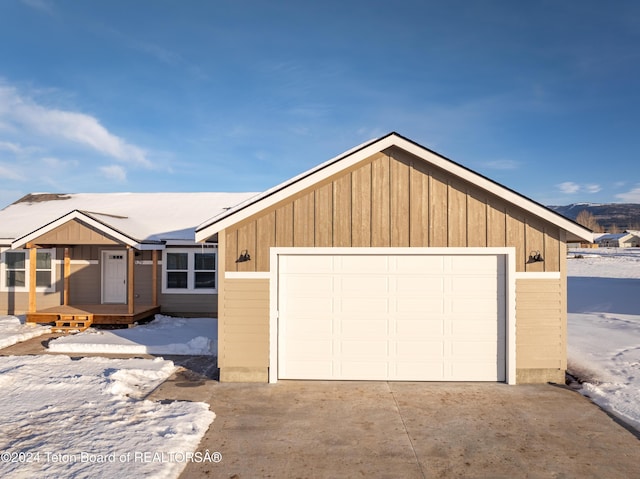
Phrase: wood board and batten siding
[391,199]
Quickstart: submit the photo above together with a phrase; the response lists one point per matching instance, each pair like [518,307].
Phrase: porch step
[68,323]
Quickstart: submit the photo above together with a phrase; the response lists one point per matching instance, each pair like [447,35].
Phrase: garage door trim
[510,275]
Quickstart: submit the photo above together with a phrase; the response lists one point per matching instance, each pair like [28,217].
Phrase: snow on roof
[146,217]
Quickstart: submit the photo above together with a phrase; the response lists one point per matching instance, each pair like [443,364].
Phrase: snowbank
[13,330]
[164,335]
[604,329]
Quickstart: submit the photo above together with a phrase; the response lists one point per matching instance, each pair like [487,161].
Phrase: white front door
[114,276]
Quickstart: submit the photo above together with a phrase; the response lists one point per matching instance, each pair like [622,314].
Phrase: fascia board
[75,214]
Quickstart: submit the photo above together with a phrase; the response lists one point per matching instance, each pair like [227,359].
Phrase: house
[391,262]
[113,258]
[628,239]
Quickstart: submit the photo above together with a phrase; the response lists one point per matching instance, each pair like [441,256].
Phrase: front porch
[101,313]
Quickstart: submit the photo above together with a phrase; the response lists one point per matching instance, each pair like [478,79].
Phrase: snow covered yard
[164,335]
[14,330]
[84,418]
[87,418]
[604,328]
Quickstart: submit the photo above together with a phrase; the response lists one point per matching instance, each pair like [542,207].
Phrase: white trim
[25,288]
[190,289]
[330,168]
[539,275]
[247,275]
[510,293]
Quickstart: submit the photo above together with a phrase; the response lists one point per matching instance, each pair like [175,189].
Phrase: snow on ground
[14,330]
[85,418]
[604,328]
[164,335]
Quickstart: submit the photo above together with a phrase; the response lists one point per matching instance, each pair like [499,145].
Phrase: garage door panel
[362,370]
[392,317]
[304,264]
[419,351]
[371,264]
[419,263]
[419,328]
[425,305]
[363,328]
[311,329]
[363,306]
[309,369]
[419,284]
[363,350]
[418,371]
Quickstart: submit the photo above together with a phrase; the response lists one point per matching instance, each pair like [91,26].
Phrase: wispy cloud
[114,172]
[502,164]
[570,188]
[10,173]
[631,196]
[40,5]
[77,128]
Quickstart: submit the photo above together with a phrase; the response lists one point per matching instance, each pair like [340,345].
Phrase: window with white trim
[15,270]
[192,271]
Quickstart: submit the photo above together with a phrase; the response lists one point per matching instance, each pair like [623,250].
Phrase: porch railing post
[33,255]
[131,278]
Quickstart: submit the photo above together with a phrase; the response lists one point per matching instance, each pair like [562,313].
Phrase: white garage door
[391,317]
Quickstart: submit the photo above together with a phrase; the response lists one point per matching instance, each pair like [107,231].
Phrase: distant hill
[623,216]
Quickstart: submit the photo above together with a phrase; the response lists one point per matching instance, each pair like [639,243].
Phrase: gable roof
[284,190]
[131,218]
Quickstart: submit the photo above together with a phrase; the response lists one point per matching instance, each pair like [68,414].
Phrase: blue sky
[157,95]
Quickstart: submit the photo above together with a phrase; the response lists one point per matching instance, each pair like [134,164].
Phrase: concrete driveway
[318,429]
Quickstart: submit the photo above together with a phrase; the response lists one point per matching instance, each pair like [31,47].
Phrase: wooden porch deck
[102,313]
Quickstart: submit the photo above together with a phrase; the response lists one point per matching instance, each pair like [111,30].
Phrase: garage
[402,315]
[391,262]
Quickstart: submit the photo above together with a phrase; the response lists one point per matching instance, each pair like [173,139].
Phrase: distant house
[119,257]
[619,240]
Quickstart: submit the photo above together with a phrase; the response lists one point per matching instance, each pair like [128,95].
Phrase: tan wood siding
[394,199]
[304,220]
[342,210]
[399,184]
[380,208]
[323,215]
[361,206]
[419,207]
[74,232]
[244,323]
[266,237]
[541,330]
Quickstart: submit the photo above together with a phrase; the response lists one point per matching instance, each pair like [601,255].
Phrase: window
[15,270]
[189,271]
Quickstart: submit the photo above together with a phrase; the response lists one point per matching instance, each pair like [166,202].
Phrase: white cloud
[632,196]
[72,127]
[114,172]
[10,173]
[52,162]
[8,146]
[569,187]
